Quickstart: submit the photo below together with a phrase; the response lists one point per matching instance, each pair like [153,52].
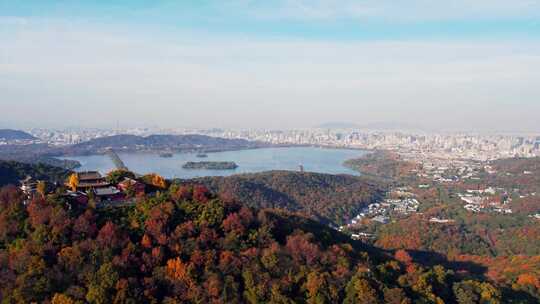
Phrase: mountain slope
[185,246]
[130,143]
[34,154]
[12,172]
[328,198]
[382,164]
[9,135]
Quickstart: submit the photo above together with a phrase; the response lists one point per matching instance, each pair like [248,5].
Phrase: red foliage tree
[233,223]
[183,193]
[108,236]
[39,211]
[403,256]
[301,249]
[201,193]
[85,226]
[246,216]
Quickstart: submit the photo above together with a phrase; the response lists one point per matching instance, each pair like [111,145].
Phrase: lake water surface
[249,161]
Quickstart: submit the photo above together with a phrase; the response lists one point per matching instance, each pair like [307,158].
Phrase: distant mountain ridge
[133,143]
[9,134]
[36,153]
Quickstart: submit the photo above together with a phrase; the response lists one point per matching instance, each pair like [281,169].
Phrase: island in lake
[211,165]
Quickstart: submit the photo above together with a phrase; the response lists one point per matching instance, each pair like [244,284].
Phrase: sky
[441,65]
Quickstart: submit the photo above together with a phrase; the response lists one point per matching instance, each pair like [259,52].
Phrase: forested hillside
[36,153]
[328,198]
[506,243]
[382,164]
[520,173]
[12,172]
[133,143]
[186,246]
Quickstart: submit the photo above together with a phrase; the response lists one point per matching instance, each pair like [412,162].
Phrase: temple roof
[89,175]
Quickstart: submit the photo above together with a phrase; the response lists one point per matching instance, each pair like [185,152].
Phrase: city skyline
[275,64]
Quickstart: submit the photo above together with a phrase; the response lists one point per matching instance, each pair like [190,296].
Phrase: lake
[313,159]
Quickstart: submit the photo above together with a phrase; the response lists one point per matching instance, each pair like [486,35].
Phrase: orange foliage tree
[176,269]
[528,279]
[404,257]
[73,181]
[159,181]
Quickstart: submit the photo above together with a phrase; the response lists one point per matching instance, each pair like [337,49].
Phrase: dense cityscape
[414,146]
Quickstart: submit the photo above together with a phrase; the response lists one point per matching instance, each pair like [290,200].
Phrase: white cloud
[94,75]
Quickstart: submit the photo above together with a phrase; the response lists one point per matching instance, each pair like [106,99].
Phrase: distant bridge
[118,163]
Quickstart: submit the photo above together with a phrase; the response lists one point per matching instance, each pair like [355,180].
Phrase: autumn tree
[302,249]
[253,292]
[85,226]
[73,181]
[62,299]
[529,279]
[316,286]
[233,223]
[361,290]
[468,292]
[101,288]
[159,181]
[403,256]
[176,269]
[41,188]
[12,215]
[109,236]
[396,296]
[116,176]
[200,193]
[146,241]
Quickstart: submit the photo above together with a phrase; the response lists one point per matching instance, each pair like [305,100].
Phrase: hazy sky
[459,64]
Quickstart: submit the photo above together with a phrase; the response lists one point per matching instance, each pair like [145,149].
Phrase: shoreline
[157,152]
[313,158]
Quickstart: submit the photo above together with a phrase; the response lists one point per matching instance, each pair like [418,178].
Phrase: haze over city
[289,64]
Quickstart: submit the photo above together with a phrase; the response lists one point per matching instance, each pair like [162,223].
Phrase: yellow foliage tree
[61,299]
[159,181]
[365,292]
[73,181]
[41,188]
